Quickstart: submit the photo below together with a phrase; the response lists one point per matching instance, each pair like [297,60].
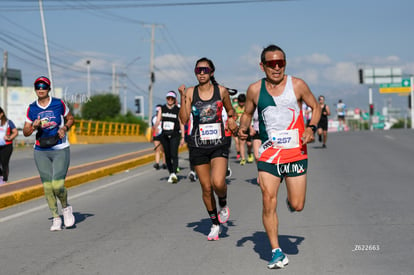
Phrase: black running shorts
[199,156]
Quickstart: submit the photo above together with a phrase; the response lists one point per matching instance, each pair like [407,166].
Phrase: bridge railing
[104,128]
[88,131]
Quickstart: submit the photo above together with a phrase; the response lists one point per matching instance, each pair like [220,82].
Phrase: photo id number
[366,247]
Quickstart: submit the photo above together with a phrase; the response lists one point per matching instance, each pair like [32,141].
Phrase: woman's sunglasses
[205,70]
[41,86]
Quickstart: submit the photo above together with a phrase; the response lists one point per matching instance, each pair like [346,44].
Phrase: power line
[94,9]
[126,4]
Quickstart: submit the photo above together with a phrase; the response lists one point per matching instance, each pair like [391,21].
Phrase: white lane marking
[17,215]
[389,137]
[26,212]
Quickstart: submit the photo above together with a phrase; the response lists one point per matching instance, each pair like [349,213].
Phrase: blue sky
[326,41]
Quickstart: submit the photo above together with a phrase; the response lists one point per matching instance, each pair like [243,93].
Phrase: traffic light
[138,105]
[361,76]
[371,109]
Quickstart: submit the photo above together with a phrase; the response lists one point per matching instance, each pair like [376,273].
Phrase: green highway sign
[406,82]
[403,87]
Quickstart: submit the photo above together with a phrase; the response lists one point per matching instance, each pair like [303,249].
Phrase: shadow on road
[203,226]
[252,181]
[289,244]
[79,217]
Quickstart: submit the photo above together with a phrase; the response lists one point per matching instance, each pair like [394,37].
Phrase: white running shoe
[228,173]
[279,260]
[173,178]
[214,233]
[192,176]
[224,214]
[68,217]
[56,225]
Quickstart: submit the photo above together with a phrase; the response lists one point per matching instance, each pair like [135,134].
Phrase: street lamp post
[49,69]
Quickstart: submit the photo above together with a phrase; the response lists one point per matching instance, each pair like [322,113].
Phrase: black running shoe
[291,209]
[192,176]
[228,173]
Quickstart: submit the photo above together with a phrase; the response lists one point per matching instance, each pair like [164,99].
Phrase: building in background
[18,99]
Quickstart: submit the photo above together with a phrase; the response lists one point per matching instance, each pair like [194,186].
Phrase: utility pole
[125,98]
[5,57]
[88,68]
[152,75]
[113,79]
[49,69]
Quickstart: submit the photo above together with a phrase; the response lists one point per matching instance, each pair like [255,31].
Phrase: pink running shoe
[214,233]
[224,214]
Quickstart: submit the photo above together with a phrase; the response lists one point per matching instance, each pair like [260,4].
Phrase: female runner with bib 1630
[208,144]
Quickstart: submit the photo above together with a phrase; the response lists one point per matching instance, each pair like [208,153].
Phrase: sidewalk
[29,188]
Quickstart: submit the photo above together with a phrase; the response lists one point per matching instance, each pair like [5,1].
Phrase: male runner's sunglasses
[272,63]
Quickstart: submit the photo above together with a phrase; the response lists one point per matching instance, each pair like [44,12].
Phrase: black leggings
[5,154]
[170,145]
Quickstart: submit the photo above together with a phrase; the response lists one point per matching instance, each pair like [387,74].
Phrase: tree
[132,118]
[101,107]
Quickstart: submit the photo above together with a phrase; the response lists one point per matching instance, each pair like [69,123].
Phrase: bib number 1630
[210,131]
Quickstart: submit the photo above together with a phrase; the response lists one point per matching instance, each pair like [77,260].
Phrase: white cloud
[385,61]
[174,61]
[310,76]
[408,68]
[313,59]
[252,57]
[174,68]
[341,73]
[318,59]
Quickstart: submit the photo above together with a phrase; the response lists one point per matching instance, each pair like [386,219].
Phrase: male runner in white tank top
[283,153]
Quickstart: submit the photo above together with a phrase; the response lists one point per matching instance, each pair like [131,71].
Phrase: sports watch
[313,127]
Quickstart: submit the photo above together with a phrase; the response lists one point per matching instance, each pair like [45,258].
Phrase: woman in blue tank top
[51,118]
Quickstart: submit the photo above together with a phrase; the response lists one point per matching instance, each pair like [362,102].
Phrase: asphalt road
[22,163]
[358,219]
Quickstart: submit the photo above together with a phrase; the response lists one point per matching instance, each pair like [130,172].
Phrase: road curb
[33,192]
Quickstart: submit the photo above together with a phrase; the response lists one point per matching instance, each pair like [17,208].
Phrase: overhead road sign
[373,76]
[403,87]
